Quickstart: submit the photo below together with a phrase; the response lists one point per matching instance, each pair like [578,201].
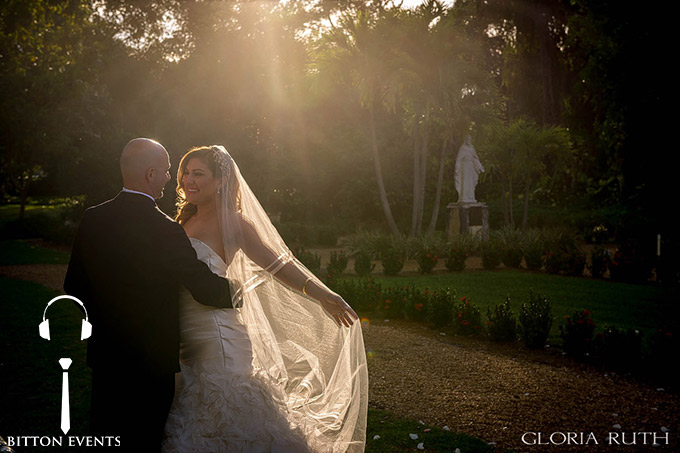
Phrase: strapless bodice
[212,334]
[209,257]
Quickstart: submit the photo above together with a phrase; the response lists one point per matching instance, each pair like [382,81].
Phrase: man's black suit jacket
[127,264]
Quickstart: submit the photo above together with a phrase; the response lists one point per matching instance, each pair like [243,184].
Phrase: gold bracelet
[304,286]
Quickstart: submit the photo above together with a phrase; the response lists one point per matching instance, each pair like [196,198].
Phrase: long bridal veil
[317,368]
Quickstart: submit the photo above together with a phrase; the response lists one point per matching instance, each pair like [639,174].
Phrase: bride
[285,370]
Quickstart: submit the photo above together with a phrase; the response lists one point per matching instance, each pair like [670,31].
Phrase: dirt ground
[498,393]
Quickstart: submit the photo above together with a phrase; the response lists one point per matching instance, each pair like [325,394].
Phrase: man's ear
[149,174]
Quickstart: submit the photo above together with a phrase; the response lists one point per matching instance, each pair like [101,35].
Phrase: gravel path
[494,392]
[498,393]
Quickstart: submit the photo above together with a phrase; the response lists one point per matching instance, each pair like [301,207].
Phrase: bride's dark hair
[207,155]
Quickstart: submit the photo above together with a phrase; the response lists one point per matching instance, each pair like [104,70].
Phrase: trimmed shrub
[392,261]
[577,333]
[467,317]
[501,324]
[362,264]
[535,321]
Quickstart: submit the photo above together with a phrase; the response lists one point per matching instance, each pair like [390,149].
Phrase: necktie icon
[65,407]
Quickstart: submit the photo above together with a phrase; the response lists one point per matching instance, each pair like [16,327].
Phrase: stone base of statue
[467,218]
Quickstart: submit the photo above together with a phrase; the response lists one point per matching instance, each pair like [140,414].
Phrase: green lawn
[28,252]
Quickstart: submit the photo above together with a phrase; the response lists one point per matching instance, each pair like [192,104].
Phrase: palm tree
[437,70]
[522,153]
[356,52]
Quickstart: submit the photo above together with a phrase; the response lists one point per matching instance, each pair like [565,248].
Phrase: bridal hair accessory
[44,327]
[223,159]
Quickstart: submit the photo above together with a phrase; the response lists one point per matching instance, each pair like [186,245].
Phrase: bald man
[128,263]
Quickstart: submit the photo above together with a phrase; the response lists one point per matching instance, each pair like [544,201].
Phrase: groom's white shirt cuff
[140,193]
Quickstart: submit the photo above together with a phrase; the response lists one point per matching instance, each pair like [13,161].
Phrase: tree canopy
[337,111]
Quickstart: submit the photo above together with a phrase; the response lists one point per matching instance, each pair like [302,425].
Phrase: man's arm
[77,282]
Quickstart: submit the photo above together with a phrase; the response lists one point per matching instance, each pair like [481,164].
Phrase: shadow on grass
[389,433]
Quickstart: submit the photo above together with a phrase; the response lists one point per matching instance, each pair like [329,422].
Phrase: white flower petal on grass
[665,430]
[413,436]
[421,446]
[421,422]
[446,428]
[457,450]
[376,437]
[616,426]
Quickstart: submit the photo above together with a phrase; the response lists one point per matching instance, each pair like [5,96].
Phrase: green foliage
[427,260]
[362,264]
[455,261]
[441,304]
[577,333]
[467,317]
[533,249]
[629,264]
[310,260]
[363,294]
[491,254]
[510,243]
[618,349]
[501,323]
[394,302]
[392,261]
[535,321]
[419,303]
[337,263]
[563,256]
[599,261]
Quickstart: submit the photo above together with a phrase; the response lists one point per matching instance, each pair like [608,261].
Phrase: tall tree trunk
[416,180]
[542,27]
[23,197]
[378,174]
[512,216]
[525,213]
[423,171]
[440,183]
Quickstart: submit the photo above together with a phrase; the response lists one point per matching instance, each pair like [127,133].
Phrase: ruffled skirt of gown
[221,403]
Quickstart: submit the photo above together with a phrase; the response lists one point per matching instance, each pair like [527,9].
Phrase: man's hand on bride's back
[338,309]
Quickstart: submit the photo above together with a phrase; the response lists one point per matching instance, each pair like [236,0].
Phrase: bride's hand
[339,309]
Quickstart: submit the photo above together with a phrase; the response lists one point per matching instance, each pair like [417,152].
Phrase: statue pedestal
[467,218]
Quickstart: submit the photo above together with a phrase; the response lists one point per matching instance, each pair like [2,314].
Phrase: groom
[127,264]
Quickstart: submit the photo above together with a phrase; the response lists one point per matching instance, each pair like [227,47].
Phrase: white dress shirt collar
[140,193]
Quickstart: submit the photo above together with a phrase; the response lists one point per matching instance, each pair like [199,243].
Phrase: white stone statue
[468,168]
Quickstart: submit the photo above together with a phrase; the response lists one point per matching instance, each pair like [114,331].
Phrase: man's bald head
[144,164]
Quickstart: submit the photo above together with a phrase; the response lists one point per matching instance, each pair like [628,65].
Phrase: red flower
[418,307]
[465,322]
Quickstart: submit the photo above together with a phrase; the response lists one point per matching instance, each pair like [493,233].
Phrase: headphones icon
[44,326]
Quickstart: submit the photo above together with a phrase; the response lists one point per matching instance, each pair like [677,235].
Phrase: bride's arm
[292,275]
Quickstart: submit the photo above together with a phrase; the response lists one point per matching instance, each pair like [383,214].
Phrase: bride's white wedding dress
[221,402]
